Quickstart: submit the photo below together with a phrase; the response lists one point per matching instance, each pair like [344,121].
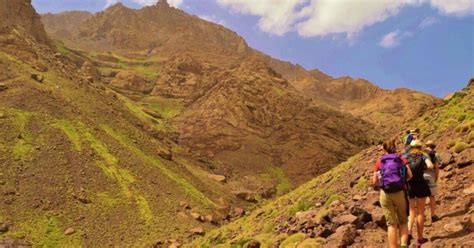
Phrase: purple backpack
[393,173]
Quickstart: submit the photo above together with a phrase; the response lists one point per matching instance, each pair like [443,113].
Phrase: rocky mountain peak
[20,16]
[163,3]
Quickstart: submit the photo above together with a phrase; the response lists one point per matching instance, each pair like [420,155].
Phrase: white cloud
[390,39]
[276,16]
[428,21]
[174,3]
[324,17]
[454,7]
[212,18]
[394,38]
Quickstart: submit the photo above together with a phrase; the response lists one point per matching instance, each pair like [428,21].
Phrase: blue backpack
[393,173]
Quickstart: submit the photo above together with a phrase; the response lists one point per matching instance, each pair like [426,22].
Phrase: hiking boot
[434,218]
[421,241]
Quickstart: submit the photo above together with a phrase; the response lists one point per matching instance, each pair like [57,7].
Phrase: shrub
[302,205]
[460,146]
[292,240]
[451,143]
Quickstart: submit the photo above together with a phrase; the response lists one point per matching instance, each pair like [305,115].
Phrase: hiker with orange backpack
[391,174]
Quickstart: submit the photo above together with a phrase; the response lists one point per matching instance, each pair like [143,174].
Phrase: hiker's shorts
[394,207]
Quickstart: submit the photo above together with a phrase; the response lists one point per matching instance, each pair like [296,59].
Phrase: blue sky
[426,45]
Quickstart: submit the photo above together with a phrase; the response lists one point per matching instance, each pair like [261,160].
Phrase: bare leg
[411,217]
[433,206]
[403,234]
[393,236]
[420,218]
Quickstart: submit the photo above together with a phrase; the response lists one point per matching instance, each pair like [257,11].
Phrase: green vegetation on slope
[258,225]
[122,139]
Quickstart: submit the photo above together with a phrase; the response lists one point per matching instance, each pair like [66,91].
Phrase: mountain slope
[251,125]
[77,156]
[320,212]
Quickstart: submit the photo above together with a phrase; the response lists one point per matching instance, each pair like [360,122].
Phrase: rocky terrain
[340,208]
[114,139]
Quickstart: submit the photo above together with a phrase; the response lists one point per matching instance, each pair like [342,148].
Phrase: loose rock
[3,87]
[453,227]
[197,231]
[69,231]
[217,178]
[37,77]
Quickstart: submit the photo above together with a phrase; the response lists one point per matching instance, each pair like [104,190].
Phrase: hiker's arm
[409,173]
[429,164]
[436,171]
[375,179]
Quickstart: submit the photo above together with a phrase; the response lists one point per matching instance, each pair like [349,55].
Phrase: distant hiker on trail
[391,174]
[407,140]
[431,177]
[418,190]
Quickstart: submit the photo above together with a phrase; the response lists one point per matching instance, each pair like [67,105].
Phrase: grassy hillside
[76,155]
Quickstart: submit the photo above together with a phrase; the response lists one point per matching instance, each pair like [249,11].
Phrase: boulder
[323,231]
[345,219]
[446,158]
[222,212]
[469,191]
[197,217]
[246,195]
[468,222]
[252,244]
[37,77]
[343,237]
[4,227]
[357,197]
[379,218]
[69,231]
[453,227]
[182,215]
[465,158]
[165,154]
[363,216]
[197,231]
[3,87]
[237,212]
[217,178]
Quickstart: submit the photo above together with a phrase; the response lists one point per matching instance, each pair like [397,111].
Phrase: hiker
[407,140]
[431,176]
[391,174]
[418,189]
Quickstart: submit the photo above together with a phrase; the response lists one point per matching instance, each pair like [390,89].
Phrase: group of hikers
[407,180]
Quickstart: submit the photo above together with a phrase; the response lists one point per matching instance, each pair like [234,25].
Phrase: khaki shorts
[394,207]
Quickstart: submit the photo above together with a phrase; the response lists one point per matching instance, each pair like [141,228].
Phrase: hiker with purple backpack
[391,175]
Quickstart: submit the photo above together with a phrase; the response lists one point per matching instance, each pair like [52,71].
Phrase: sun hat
[430,143]
[416,143]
